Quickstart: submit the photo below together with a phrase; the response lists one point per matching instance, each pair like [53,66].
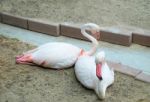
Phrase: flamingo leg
[24,59]
[20,62]
[19,56]
[25,53]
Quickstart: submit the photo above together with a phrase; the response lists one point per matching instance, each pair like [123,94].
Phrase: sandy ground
[102,12]
[25,83]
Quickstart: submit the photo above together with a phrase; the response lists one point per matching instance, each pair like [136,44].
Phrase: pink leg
[19,62]
[26,53]
[24,59]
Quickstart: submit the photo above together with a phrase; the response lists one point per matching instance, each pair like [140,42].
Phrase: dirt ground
[25,83]
[102,12]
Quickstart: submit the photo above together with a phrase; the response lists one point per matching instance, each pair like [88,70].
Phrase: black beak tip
[100,78]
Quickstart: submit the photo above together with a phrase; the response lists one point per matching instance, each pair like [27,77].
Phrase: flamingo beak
[99,71]
[96,35]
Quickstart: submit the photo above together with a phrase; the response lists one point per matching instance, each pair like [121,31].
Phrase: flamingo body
[85,70]
[56,55]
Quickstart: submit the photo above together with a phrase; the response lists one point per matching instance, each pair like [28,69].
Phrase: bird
[59,55]
[94,73]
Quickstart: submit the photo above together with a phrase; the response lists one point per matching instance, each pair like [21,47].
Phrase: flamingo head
[100,57]
[99,60]
[93,28]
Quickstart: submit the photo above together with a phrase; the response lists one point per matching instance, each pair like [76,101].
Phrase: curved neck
[94,41]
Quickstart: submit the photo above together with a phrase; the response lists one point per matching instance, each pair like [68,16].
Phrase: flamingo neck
[94,41]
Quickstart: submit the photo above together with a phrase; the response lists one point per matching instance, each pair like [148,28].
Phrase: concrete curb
[14,20]
[44,27]
[124,69]
[142,38]
[137,74]
[71,30]
[116,35]
[143,77]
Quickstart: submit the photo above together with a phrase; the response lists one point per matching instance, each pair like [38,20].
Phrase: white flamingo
[59,55]
[94,73]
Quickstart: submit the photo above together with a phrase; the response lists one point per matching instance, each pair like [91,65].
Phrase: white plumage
[59,55]
[54,57]
[85,70]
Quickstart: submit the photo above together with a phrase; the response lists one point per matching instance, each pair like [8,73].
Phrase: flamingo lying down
[94,73]
[59,55]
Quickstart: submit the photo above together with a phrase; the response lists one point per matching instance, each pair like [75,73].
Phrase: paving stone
[73,31]
[116,35]
[143,77]
[124,69]
[142,38]
[14,20]
[44,27]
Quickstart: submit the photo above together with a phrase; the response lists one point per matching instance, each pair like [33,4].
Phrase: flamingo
[94,73]
[58,55]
